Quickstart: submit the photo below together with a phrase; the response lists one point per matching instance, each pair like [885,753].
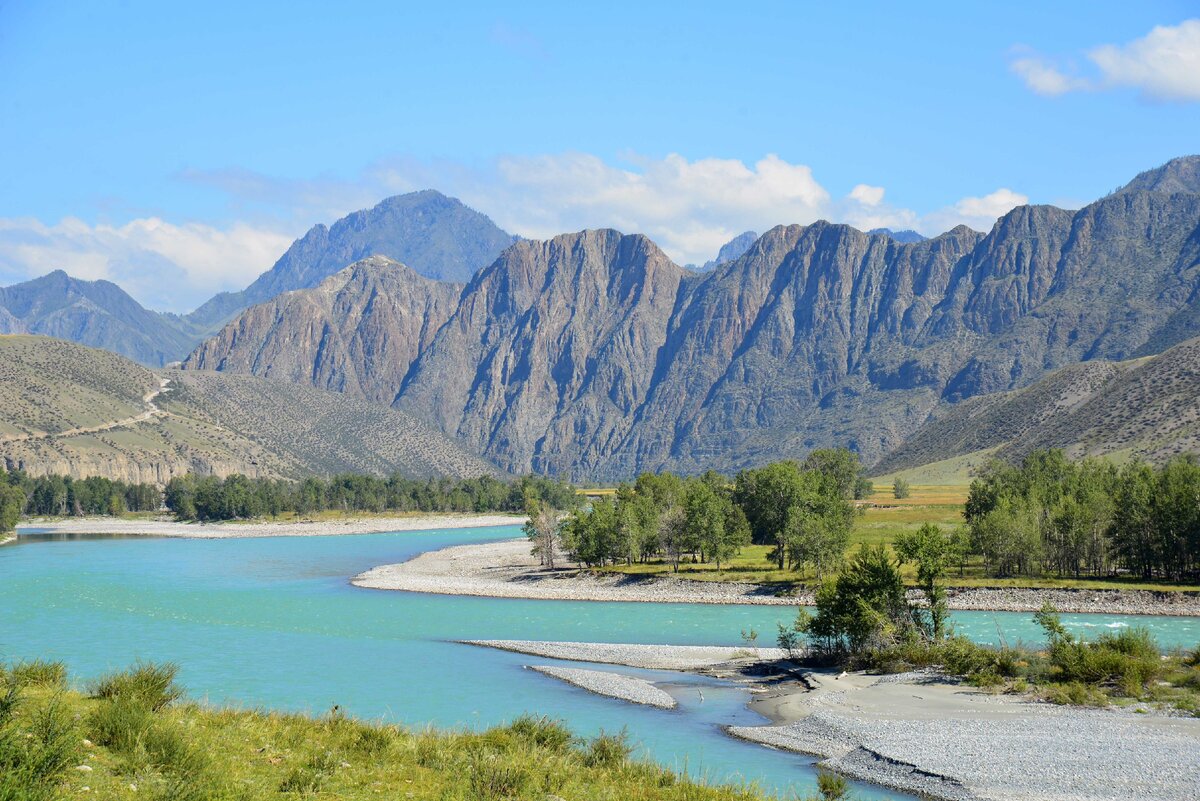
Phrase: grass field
[129,738]
[883,518]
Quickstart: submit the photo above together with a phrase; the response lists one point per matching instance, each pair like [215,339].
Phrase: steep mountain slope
[551,352]
[358,332]
[95,313]
[592,355]
[1148,408]
[435,235]
[1177,175]
[80,411]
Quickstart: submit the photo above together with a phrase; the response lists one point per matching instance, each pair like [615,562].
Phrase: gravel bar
[507,570]
[956,743]
[650,657]
[614,685]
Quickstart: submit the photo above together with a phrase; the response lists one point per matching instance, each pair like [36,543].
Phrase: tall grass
[148,685]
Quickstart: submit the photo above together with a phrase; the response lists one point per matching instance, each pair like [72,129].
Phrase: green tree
[838,466]
[542,530]
[12,503]
[863,608]
[932,552]
[901,489]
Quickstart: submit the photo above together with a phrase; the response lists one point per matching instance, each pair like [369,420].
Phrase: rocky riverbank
[922,733]
[506,570]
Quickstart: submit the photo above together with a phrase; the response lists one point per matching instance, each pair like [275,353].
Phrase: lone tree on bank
[542,530]
[901,489]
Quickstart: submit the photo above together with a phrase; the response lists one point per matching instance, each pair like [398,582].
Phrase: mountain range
[437,236]
[593,355]
[97,313]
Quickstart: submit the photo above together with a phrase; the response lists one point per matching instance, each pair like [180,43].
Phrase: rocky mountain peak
[1177,175]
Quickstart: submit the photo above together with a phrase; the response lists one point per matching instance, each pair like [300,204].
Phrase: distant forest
[207,498]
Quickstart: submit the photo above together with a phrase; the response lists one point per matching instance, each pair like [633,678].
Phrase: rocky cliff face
[358,332]
[435,235]
[591,355]
[551,352]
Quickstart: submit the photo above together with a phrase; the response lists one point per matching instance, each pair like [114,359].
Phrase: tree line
[803,510]
[1087,518]
[63,496]
[207,498]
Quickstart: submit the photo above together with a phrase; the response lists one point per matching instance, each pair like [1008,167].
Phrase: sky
[177,149]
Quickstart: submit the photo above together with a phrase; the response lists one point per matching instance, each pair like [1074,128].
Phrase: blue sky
[177,149]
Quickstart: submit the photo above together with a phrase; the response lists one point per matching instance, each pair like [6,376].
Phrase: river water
[274,622]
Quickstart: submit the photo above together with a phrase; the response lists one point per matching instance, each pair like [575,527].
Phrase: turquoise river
[274,622]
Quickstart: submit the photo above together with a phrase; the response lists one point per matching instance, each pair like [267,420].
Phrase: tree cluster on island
[804,510]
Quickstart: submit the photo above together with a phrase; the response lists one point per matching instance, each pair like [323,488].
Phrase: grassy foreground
[131,736]
[883,518]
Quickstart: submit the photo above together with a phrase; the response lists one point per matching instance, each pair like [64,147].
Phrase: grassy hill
[73,410]
[1147,408]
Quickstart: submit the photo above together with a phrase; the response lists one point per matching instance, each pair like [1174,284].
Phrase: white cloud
[979,213]
[1162,65]
[689,207]
[867,195]
[1044,78]
[163,265]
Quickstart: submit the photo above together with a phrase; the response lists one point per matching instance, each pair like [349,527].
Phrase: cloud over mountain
[1162,65]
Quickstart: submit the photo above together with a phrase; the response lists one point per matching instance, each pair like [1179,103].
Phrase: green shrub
[541,732]
[38,673]
[492,778]
[119,724]
[311,776]
[832,787]
[150,685]
[34,757]
[1075,693]
[608,750]
[373,740]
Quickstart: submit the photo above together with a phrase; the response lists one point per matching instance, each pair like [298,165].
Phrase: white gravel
[312,528]
[507,570]
[614,685]
[953,742]
[651,657]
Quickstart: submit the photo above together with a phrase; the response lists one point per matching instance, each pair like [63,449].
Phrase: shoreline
[506,570]
[302,528]
[926,734]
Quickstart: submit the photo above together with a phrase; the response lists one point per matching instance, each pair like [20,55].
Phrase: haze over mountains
[592,355]
[97,313]
[435,235]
